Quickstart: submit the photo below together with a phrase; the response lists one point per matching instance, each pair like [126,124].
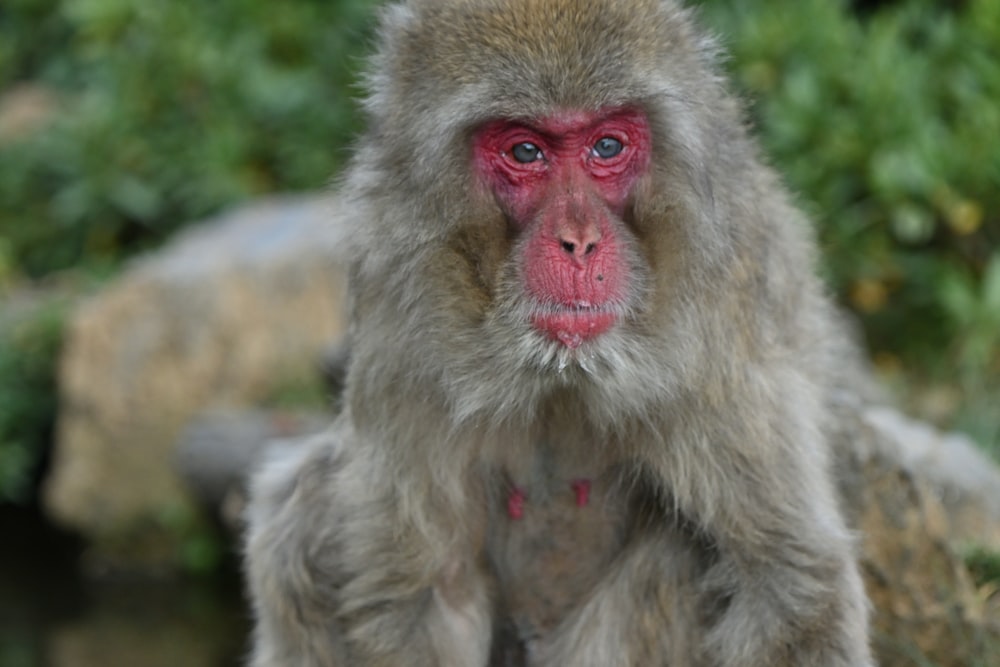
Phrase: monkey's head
[542,201]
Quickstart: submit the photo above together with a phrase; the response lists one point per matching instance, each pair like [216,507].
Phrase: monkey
[586,408]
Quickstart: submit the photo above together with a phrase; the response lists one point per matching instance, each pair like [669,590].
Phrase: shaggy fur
[711,535]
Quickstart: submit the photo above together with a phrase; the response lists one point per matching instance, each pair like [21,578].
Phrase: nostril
[569,246]
[591,247]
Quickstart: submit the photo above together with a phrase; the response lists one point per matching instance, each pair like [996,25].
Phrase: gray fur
[712,536]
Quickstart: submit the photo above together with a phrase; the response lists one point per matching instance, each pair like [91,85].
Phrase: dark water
[51,616]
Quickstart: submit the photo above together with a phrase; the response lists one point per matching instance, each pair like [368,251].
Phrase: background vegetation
[121,121]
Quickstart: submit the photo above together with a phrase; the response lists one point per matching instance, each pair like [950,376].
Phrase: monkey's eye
[526,152]
[607,147]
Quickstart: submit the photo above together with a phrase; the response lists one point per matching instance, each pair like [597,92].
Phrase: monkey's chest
[551,542]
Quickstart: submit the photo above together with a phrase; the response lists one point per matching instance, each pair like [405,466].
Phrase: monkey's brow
[530,124]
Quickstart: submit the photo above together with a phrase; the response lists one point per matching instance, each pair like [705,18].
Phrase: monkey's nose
[579,242]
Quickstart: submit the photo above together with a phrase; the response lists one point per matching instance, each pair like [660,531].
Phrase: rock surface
[917,496]
[220,447]
[963,481]
[232,312]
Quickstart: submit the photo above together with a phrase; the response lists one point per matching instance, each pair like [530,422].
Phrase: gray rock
[228,314]
[962,477]
[927,609]
[219,448]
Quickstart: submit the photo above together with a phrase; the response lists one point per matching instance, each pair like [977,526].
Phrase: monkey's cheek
[572,329]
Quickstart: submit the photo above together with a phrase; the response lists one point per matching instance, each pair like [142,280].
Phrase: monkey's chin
[573,327]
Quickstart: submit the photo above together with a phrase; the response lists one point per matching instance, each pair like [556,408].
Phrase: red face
[564,181]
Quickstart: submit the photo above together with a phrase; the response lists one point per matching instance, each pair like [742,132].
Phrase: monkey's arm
[748,563]
[337,579]
[643,612]
[752,474]
[289,525]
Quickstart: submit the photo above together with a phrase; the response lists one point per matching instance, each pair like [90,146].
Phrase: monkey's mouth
[572,324]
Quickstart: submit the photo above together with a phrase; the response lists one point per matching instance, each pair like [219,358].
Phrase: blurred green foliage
[887,123]
[885,120]
[165,112]
[29,348]
[983,564]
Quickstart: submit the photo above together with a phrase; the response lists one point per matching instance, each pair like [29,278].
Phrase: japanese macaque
[586,412]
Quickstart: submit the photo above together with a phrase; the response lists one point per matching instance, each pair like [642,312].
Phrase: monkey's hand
[784,589]
[789,614]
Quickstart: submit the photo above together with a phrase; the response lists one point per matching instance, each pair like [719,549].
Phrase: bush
[29,346]
[888,126]
[168,111]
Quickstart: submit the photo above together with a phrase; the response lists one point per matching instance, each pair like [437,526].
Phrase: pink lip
[573,326]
